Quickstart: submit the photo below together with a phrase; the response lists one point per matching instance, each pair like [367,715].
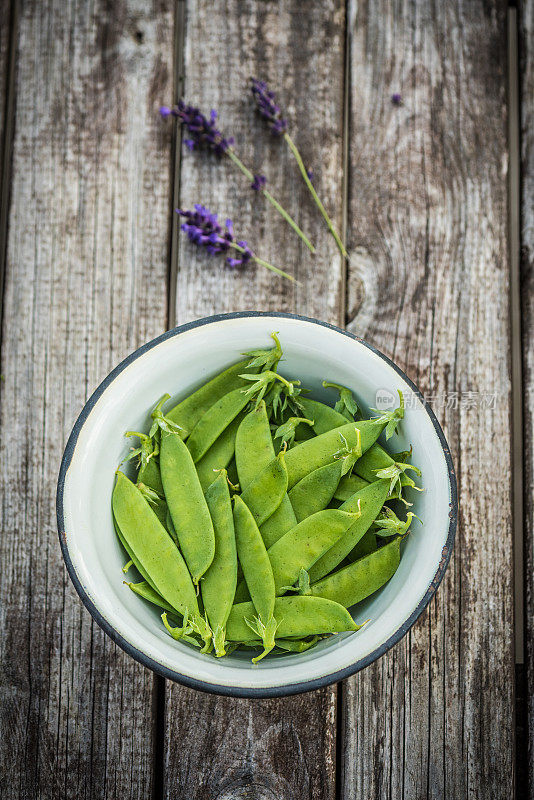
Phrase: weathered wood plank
[526,21]
[429,285]
[8,33]
[215,747]
[85,284]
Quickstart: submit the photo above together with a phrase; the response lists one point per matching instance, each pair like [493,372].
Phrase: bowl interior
[178,364]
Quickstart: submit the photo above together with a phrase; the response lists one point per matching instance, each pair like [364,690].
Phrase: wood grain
[85,284]
[526,20]
[215,747]
[429,284]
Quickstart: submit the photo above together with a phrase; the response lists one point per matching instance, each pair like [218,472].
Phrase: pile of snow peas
[259,516]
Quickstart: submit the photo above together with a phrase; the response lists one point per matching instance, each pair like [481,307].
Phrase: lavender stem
[263,263]
[237,161]
[304,173]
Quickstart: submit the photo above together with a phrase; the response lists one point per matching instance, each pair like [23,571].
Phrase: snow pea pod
[139,567]
[298,616]
[258,574]
[188,412]
[147,592]
[369,501]
[301,547]
[187,505]
[214,421]
[367,544]
[315,491]
[149,474]
[254,450]
[219,582]
[253,445]
[357,581]
[289,645]
[349,485]
[219,455]
[325,418]
[308,456]
[153,547]
[266,491]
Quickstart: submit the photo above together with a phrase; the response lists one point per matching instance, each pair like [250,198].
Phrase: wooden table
[94,265]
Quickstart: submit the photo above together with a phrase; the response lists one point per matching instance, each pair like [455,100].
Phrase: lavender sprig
[269,110]
[204,134]
[203,229]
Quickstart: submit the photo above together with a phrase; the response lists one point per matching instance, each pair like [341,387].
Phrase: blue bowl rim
[272,691]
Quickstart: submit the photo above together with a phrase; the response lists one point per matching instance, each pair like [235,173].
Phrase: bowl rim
[238,691]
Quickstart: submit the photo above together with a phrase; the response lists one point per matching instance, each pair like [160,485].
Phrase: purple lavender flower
[203,131]
[203,229]
[396,99]
[266,104]
[258,183]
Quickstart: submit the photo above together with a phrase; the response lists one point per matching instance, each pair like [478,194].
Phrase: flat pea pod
[325,418]
[369,501]
[147,592]
[219,582]
[266,491]
[149,474]
[308,456]
[153,547]
[139,567]
[187,505]
[289,645]
[367,544]
[188,412]
[219,455]
[301,547]
[315,491]
[351,584]
[253,445]
[214,421]
[297,616]
[257,571]
[254,450]
[349,485]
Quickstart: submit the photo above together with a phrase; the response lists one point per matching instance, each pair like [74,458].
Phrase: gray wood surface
[278,748]
[429,285]
[85,278]
[526,21]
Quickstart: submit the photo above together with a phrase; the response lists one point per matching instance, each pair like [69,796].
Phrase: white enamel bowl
[178,362]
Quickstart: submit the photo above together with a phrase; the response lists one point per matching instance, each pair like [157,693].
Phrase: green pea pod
[322,450]
[219,455]
[139,567]
[325,418]
[264,494]
[215,420]
[156,501]
[349,485]
[219,582]
[253,445]
[298,616]
[189,411]
[315,491]
[289,645]
[149,474]
[369,501]
[258,573]
[367,544]
[301,547]
[254,450]
[187,505]
[377,459]
[147,592]
[153,547]
[357,581]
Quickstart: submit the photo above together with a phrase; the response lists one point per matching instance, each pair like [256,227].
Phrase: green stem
[309,184]
[265,263]
[237,161]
